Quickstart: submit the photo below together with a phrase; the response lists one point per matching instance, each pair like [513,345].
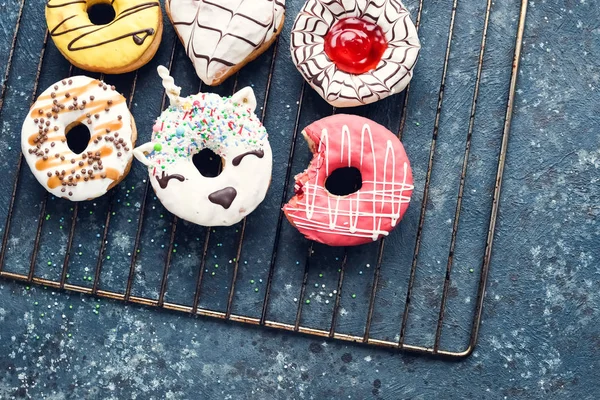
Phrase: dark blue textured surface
[540,335]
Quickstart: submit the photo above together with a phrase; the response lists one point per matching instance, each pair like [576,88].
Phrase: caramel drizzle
[66,4]
[72,91]
[92,107]
[108,173]
[42,164]
[139,40]
[88,165]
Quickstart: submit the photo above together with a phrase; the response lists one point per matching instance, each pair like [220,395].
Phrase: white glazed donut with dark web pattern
[221,36]
[338,87]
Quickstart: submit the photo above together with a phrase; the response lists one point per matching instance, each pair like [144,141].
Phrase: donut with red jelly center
[355,52]
[355,46]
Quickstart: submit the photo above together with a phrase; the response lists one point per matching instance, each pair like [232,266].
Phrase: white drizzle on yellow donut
[78,100]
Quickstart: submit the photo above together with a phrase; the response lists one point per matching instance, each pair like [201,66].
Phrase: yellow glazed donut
[125,44]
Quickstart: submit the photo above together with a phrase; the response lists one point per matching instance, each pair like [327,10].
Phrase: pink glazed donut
[369,213]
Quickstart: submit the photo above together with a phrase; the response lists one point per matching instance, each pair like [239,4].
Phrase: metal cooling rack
[266,308]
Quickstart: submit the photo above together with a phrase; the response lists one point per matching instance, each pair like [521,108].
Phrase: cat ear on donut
[246,98]
[142,151]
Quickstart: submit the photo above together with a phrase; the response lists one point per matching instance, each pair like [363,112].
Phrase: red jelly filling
[354,45]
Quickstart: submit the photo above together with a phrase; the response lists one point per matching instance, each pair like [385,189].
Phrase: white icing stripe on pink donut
[384,192]
[342,89]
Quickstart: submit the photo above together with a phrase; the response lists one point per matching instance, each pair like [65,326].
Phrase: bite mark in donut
[106,158]
[366,215]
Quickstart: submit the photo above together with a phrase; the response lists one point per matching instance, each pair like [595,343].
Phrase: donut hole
[344,181]
[78,137]
[101,13]
[208,163]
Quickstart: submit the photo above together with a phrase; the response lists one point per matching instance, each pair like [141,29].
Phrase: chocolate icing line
[258,153]
[241,15]
[126,13]
[164,179]
[65,4]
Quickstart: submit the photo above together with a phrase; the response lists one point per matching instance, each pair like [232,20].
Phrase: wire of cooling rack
[326,332]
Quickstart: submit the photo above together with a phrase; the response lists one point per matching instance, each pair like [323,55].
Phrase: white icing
[185,130]
[342,89]
[219,34]
[173,91]
[112,164]
[246,98]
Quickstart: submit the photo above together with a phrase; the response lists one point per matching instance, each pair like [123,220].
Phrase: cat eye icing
[258,153]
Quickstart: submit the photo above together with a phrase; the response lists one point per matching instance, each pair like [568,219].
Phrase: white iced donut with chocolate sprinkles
[355,52]
[78,138]
[191,131]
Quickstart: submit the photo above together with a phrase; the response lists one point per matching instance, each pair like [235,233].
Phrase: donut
[78,138]
[355,52]
[220,37]
[122,45]
[381,188]
[200,124]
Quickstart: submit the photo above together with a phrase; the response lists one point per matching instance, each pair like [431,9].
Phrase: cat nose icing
[223,197]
